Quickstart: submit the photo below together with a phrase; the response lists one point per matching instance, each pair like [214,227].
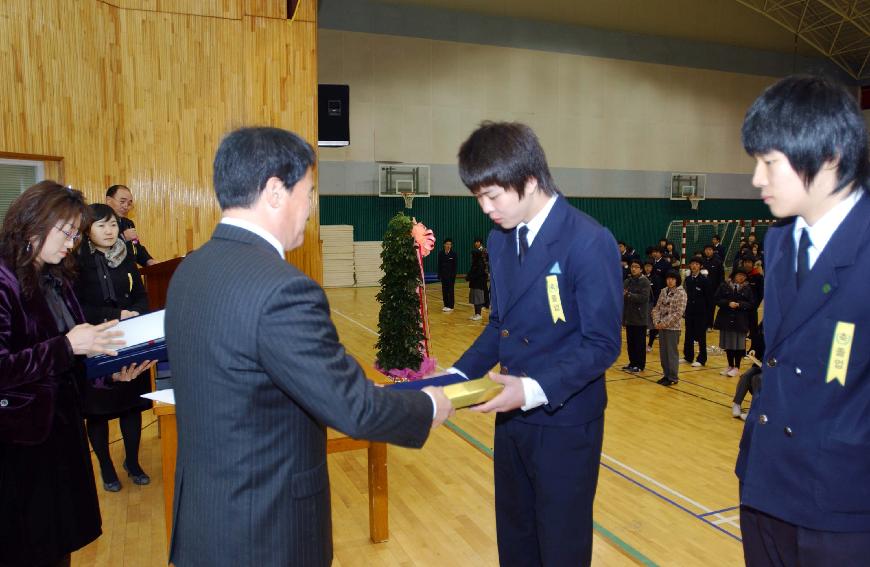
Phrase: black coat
[729,318]
[636,309]
[112,398]
[715,270]
[477,276]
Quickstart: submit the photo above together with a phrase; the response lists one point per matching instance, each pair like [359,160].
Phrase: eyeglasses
[74,236]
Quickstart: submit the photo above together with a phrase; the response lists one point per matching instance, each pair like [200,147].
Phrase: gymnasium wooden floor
[667,493]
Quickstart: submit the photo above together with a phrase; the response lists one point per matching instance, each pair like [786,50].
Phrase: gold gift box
[472,392]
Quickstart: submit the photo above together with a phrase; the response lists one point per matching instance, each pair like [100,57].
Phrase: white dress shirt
[821,232]
[256,229]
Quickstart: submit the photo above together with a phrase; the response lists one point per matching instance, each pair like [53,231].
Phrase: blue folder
[104,364]
[440,380]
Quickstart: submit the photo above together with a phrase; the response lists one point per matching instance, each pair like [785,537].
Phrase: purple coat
[49,497]
[33,354]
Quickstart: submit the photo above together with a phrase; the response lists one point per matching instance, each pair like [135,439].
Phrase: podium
[156,279]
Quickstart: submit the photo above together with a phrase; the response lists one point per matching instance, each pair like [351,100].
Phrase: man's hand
[512,397]
[443,407]
[130,235]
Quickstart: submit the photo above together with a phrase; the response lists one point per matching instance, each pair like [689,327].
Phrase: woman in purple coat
[48,501]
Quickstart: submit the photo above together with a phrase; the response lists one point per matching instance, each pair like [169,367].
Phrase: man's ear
[274,192]
[531,185]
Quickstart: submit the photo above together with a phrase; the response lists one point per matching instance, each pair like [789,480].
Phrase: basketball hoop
[409,199]
[693,202]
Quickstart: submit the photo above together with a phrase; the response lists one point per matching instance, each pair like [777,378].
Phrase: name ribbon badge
[555,299]
[841,348]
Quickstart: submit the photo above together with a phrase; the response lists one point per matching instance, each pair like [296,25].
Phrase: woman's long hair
[26,226]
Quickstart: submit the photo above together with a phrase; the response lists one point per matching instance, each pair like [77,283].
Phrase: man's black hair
[248,157]
[506,154]
[811,120]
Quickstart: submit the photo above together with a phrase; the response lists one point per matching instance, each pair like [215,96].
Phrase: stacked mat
[367,263]
[337,255]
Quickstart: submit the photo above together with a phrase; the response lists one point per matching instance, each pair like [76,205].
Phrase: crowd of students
[660,297]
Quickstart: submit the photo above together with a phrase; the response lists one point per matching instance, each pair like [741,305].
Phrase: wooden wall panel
[231,9]
[267,8]
[143,97]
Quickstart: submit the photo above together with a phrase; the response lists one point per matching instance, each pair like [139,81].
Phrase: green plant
[399,322]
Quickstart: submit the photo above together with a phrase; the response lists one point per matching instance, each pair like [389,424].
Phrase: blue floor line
[719,511]
[668,500]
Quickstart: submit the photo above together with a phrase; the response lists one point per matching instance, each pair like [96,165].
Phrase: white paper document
[166,396]
[142,329]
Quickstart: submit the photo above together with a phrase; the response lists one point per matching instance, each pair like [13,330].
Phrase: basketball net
[694,202]
[409,199]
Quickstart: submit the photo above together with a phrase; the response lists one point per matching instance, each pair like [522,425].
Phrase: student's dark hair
[716,236]
[649,263]
[97,212]
[110,192]
[710,246]
[27,224]
[446,240]
[638,262]
[697,259]
[811,120]
[506,154]
[622,242]
[736,271]
[248,157]
[674,274]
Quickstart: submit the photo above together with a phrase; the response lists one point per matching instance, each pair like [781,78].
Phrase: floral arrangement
[403,321]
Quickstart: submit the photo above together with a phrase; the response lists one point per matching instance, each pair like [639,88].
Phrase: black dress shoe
[139,478]
[672,382]
[114,486]
[663,382]
[627,367]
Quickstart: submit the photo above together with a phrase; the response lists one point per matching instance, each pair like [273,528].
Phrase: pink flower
[424,237]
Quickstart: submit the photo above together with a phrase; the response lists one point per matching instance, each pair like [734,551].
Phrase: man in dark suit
[554,329]
[804,463]
[447,274]
[716,242]
[120,198]
[259,373]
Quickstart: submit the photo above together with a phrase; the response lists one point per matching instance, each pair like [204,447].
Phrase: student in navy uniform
[717,246]
[637,293]
[447,274]
[661,265]
[656,284]
[804,463]
[554,329]
[697,298]
[712,263]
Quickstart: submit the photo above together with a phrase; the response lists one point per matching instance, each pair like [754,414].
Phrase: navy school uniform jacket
[567,357]
[805,452]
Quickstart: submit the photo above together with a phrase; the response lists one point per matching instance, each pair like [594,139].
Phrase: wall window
[16,175]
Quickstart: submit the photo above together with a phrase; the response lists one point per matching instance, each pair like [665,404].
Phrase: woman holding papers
[109,287]
[48,501]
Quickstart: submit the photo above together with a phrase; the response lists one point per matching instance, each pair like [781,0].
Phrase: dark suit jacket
[805,452]
[139,252]
[567,358]
[258,374]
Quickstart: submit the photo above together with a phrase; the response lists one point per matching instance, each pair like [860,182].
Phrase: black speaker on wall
[333,115]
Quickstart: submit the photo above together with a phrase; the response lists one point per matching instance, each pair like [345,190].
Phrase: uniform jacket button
[797,371]
[788,432]
[526,340]
[4,402]
[505,333]
[762,419]
[771,362]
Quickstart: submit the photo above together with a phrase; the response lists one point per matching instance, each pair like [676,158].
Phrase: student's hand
[95,339]
[512,397]
[733,305]
[127,314]
[443,407]
[131,372]
[130,235]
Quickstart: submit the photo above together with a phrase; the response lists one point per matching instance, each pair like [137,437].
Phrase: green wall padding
[640,222]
